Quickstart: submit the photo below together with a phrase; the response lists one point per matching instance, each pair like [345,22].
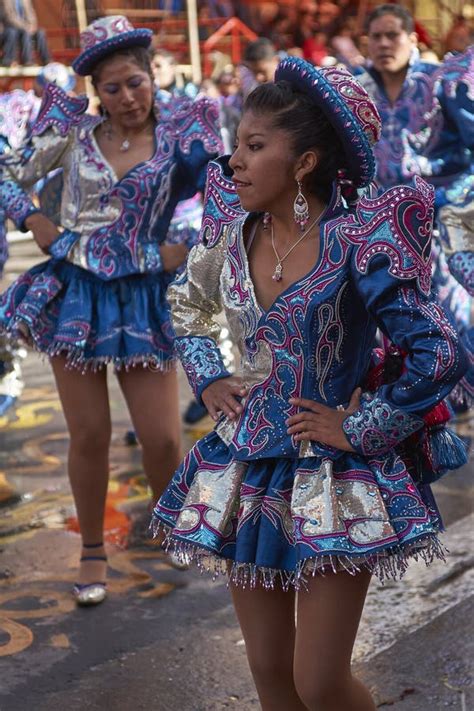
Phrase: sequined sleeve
[390,272]
[195,301]
[51,136]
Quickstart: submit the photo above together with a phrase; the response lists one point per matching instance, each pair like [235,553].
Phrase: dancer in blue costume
[444,154]
[18,112]
[101,296]
[302,473]
[399,85]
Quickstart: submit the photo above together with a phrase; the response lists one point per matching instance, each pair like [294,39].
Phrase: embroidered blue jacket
[406,113]
[316,339]
[442,151]
[112,227]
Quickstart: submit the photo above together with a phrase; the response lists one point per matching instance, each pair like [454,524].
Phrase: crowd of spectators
[321,31]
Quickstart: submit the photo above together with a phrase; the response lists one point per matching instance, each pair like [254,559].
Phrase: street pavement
[167,639]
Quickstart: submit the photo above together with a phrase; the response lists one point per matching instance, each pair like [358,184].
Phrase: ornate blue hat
[105,36]
[347,106]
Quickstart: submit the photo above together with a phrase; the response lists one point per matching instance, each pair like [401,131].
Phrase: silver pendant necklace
[126,143]
[278,273]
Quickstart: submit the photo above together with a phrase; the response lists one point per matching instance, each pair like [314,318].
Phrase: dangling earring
[300,208]
[267,218]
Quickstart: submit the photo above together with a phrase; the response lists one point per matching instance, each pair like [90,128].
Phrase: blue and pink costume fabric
[431,117]
[18,111]
[101,297]
[249,499]
[443,153]
[406,113]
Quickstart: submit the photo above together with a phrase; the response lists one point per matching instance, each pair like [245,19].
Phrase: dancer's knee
[90,440]
[318,692]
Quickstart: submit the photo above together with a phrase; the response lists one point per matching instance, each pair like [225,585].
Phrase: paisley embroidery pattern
[398,226]
[201,360]
[377,427]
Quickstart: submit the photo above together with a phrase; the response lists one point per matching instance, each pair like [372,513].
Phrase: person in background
[315,48]
[398,82]
[260,61]
[443,153]
[167,79]
[20,31]
[402,88]
[307,26]
[345,49]
[100,297]
[328,16]
[230,107]
[459,36]
[18,112]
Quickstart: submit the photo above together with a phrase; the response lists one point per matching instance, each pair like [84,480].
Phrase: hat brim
[358,151]
[85,62]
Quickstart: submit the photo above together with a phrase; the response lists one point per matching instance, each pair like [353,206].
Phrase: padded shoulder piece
[398,226]
[197,120]
[59,111]
[221,202]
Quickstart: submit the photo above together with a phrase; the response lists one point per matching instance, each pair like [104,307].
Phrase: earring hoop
[300,208]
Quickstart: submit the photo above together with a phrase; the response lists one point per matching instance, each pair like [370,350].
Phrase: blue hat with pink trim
[346,105]
[106,36]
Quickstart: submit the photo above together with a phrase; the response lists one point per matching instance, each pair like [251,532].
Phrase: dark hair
[259,50]
[395,10]
[309,129]
[140,55]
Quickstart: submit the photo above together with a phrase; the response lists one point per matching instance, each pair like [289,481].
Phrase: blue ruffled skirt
[280,520]
[60,308]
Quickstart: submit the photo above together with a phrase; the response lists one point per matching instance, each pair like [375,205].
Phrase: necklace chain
[277,275]
[125,145]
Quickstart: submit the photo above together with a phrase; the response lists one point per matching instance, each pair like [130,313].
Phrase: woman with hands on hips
[306,483]
[101,296]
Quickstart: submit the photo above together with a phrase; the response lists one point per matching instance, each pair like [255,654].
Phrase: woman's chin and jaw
[254,199]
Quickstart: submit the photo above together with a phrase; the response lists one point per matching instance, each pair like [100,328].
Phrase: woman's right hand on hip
[44,231]
[221,396]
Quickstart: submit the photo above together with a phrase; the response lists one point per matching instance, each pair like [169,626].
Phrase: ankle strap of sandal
[93,545]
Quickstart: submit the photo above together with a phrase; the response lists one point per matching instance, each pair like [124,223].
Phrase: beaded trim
[391,563]
[221,201]
[59,111]
[89,57]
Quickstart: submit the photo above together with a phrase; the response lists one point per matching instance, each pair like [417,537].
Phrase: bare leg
[85,403]
[267,620]
[328,617]
[153,402]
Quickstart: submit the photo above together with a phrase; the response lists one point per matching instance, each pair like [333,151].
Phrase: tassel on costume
[444,450]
